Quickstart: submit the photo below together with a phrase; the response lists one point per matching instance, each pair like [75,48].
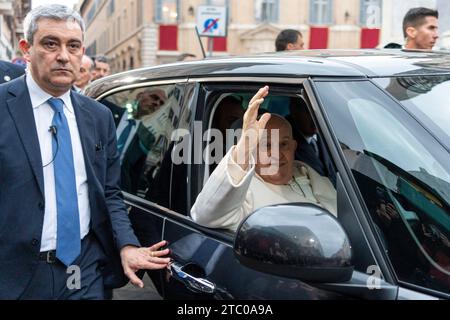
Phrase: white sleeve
[225,199]
[323,190]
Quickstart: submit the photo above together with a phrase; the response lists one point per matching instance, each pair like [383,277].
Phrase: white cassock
[231,194]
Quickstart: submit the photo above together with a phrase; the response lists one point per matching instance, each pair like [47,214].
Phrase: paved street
[130,292]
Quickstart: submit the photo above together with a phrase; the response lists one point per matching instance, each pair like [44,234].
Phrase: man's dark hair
[285,37]
[415,17]
[393,45]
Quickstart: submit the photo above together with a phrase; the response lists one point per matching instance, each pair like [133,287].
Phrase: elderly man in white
[240,185]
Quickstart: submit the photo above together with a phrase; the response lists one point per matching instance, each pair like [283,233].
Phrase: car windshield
[427,98]
[402,172]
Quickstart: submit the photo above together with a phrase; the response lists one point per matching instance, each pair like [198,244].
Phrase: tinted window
[427,97]
[145,119]
[403,175]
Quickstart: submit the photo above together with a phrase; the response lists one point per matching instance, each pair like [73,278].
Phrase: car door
[204,264]
[146,115]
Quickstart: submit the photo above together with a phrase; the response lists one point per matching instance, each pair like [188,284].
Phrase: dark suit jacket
[22,202]
[117,111]
[305,152]
[10,70]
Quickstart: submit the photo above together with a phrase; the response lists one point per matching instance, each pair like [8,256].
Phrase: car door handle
[193,283]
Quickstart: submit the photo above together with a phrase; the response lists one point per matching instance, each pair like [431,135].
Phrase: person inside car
[240,185]
[310,147]
[228,111]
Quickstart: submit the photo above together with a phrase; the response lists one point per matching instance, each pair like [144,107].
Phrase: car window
[403,174]
[145,119]
[225,117]
[427,98]
[222,111]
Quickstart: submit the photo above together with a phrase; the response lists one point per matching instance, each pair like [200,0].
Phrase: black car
[384,117]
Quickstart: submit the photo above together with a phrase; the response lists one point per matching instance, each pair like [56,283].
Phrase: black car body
[385,119]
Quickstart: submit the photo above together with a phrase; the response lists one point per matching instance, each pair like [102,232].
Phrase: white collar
[309,139]
[39,97]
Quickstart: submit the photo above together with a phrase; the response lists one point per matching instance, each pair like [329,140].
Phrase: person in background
[10,71]
[59,149]
[310,146]
[84,76]
[289,39]
[420,28]
[101,68]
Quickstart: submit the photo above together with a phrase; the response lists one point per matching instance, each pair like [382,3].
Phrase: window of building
[370,21]
[91,13]
[217,3]
[125,22]
[370,14]
[321,11]
[266,10]
[145,119]
[111,7]
[167,11]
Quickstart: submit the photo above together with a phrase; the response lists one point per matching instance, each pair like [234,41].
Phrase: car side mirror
[301,241]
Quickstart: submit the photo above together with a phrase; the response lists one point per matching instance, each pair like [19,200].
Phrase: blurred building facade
[444,23]
[136,33]
[12,13]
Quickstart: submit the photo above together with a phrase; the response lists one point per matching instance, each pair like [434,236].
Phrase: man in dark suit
[63,221]
[310,147]
[9,71]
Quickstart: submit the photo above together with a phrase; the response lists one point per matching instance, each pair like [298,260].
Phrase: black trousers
[81,281]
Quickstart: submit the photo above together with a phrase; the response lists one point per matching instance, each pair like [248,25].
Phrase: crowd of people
[75,213]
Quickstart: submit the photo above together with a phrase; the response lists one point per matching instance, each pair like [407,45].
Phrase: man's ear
[25,47]
[290,46]
[411,32]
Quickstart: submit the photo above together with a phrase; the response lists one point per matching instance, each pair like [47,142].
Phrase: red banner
[168,37]
[370,38]
[318,38]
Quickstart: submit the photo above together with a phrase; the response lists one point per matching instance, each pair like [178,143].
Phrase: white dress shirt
[43,116]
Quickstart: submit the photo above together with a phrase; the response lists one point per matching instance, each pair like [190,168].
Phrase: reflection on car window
[145,119]
[426,97]
[403,175]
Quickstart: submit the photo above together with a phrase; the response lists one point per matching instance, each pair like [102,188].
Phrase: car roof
[291,64]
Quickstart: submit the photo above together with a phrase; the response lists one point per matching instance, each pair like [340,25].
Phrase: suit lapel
[21,110]
[86,128]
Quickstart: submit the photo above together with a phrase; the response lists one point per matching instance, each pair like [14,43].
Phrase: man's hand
[251,129]
[135,259]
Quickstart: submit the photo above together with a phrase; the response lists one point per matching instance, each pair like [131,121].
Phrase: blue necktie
[68,243]
[122,141]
